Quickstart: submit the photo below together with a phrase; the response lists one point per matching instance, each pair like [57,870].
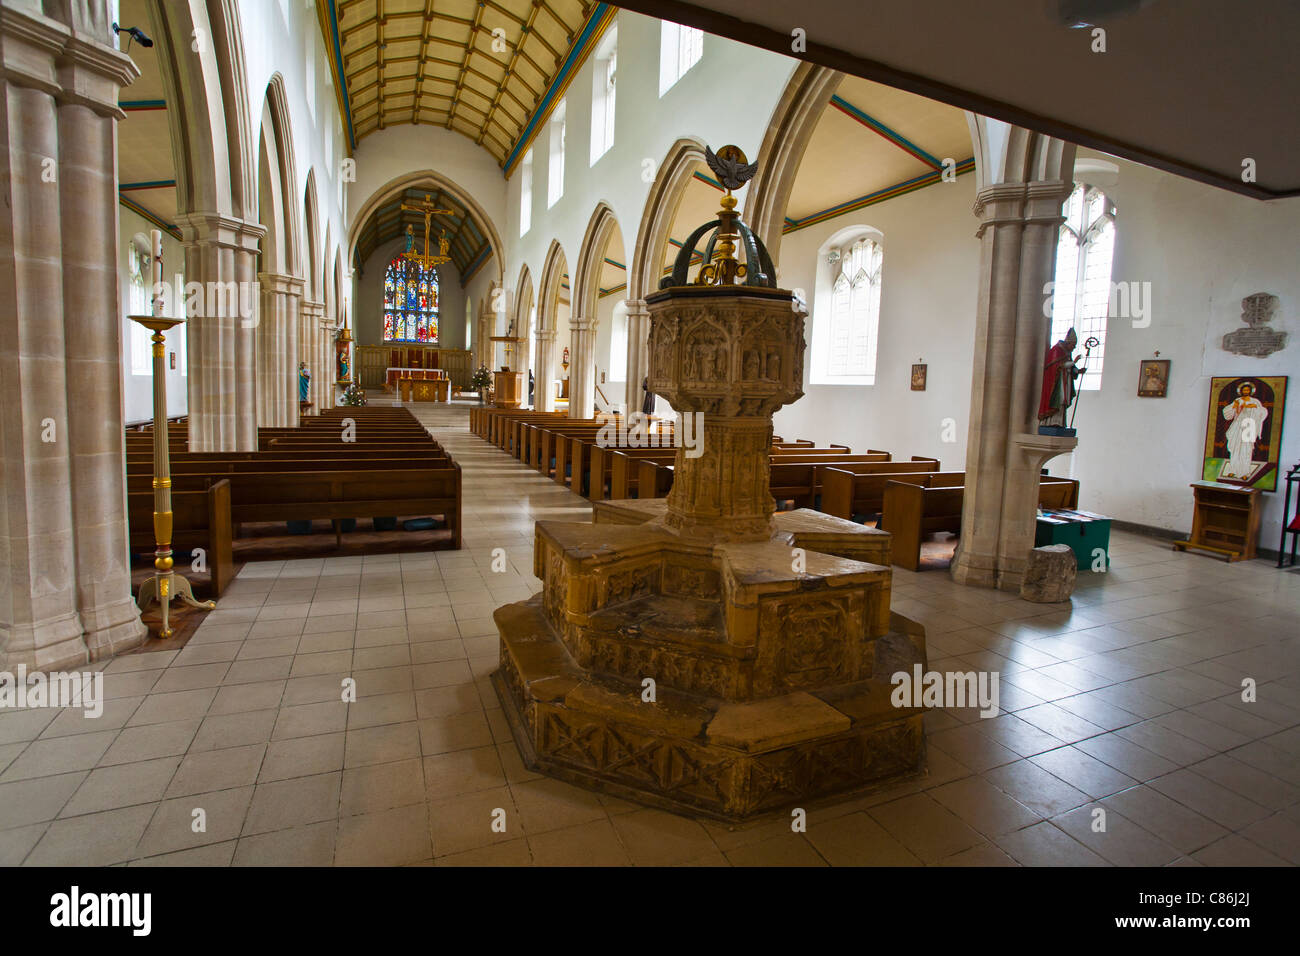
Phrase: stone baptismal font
[702,653]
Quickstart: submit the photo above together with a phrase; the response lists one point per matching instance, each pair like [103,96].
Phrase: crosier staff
[1090,343]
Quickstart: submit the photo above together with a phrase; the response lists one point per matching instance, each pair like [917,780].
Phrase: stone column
[277,350]
[65,590]
[638,361]
[1019,224]
[222,313]
[92,319]
[582,371]
[544,397]
[326,345]
[310,335]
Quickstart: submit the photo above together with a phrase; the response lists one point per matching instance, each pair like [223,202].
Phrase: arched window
[1081,292]
[854,318]
[139,301]
[410,302]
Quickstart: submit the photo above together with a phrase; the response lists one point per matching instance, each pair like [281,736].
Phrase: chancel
[613,435]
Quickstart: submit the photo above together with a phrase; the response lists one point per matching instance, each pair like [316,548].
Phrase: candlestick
[166,584]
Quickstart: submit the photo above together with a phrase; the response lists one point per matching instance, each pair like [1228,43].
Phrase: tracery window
[855,309]
[1081,291]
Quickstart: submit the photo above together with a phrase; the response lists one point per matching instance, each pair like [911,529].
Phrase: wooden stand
[508,388]
[1225,520]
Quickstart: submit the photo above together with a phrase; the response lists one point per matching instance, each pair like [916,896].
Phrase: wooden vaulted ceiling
[469,247]
[479,67]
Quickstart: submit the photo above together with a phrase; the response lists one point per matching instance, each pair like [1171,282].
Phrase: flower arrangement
[481,378]
[353,395]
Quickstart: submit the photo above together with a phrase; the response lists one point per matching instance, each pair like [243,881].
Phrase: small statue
[410,239]
[648,402]
[1059,373]
[343,366]
[304,381]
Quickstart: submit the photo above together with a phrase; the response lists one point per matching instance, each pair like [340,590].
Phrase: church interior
[501,434]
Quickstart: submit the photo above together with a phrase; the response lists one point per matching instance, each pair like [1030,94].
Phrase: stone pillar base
[46,645]
[116,628]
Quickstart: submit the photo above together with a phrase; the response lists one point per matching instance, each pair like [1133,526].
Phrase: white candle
[155,272]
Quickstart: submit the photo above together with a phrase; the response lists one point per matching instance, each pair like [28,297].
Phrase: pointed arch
[790,130]
[1011,154]
[430,179]
[314,291]
[553,269]
[646,262]
[523,300]
[212,132]
[284,237]
[336,288]
[591,258]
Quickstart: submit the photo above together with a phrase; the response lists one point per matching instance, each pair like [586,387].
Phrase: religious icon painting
[1153,378]
[918,377]
[1243,434]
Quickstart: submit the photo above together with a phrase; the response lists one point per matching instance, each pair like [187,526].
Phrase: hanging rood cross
[426,258]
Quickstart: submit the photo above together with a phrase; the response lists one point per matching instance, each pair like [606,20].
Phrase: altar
[393,375]
[424,390]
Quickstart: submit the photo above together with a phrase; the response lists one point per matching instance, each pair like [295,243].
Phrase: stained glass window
[410,303]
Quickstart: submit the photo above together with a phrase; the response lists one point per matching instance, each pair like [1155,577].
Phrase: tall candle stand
[166,584]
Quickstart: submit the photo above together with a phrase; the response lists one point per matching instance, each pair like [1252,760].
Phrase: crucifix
[426,259]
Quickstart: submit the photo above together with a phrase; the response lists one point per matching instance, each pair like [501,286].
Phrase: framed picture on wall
[918,378]
[173,358]
[1243,431]
[1153,378]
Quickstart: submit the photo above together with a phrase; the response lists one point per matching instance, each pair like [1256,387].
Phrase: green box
[1083,537]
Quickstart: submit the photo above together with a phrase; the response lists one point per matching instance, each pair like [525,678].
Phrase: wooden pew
[854,488]
[789,481]
[337,494]
[915,507]
[200,519]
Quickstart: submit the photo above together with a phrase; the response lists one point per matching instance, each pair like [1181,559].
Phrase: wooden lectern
[509,389]
[1225,520]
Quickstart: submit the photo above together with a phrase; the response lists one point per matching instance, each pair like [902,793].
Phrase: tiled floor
[1129,702]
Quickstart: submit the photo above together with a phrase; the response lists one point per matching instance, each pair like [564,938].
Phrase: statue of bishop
[1059,373]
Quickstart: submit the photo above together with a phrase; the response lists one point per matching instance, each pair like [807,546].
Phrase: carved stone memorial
[702,653]
[1258,339]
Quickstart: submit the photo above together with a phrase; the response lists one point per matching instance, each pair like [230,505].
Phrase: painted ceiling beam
[898,139]
[150,215]
[329,24]
[880,195]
